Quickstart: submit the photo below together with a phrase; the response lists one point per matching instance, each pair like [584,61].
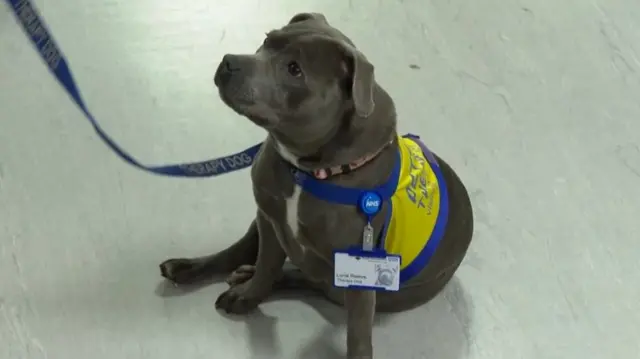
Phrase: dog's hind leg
[192,270]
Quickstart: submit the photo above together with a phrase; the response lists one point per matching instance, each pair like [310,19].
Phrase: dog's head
[301,83]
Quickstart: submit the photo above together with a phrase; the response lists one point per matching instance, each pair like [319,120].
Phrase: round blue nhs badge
[370,203]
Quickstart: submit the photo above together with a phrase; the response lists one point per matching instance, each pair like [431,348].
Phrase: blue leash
[35,28]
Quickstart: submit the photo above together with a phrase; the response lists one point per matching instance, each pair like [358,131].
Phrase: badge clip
[370,204]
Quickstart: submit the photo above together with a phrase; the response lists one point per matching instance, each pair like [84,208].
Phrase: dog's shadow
[439,329]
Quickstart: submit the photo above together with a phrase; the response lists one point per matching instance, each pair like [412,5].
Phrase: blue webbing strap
[41,38]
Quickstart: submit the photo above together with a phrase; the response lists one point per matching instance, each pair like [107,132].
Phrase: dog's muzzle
[229,66]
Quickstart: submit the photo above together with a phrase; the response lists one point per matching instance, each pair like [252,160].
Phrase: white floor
[535,103]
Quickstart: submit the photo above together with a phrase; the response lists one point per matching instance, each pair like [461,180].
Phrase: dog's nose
[228,66]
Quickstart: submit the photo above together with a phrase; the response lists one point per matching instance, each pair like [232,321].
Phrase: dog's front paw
[182,270]
[240,275]
[240,299]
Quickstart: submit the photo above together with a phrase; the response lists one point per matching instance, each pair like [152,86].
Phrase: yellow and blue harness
[417,193]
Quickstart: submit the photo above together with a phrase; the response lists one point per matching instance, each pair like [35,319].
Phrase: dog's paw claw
[180,270]
[235,300]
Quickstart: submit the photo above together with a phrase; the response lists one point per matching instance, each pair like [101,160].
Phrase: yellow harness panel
[415,207]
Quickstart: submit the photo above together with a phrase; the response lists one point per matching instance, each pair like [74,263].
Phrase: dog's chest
[300,233]
[312,229]
[292,216]
[284,204]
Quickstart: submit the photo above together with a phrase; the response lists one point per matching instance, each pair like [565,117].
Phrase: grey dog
[315,95]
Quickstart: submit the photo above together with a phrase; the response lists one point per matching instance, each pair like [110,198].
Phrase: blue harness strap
[345,195]
[34,27]
[350,196]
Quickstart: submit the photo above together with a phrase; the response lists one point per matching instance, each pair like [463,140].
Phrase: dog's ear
[304,16]
[362,80]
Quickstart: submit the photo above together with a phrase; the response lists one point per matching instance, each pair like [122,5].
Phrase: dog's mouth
[262,122]
[241,108]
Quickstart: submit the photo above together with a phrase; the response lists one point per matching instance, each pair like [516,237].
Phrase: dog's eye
[294,69]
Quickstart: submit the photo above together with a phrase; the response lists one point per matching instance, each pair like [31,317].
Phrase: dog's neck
[358,142]
[326,172]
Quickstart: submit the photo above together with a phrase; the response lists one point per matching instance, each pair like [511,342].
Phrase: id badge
[366,270]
